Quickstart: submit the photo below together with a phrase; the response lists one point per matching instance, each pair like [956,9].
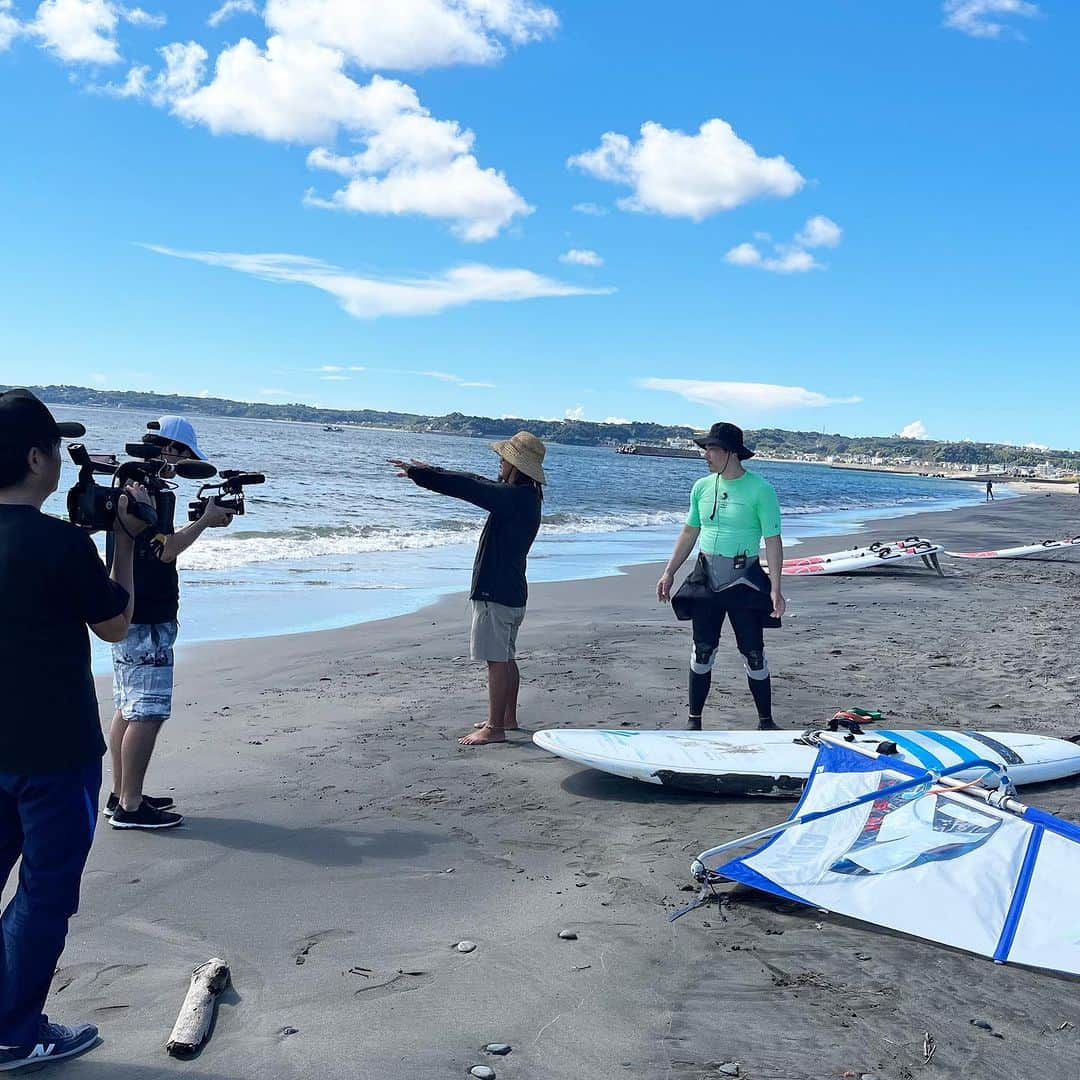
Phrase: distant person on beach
[499,590]
[731,510]
[53,586]
[989,491]
[143,661]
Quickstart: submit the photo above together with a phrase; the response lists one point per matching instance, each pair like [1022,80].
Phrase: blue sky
[793,213]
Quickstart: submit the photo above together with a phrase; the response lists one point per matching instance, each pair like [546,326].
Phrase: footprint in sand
[380,984]
[92,977]
[304,945]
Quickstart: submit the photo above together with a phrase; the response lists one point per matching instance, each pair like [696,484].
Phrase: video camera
[229,493]
[92,506]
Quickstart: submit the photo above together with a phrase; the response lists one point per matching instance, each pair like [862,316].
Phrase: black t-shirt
[157,584]
[52,583]
[513,521]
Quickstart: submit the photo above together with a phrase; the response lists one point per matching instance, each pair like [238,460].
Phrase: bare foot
[486,734]
[506,727]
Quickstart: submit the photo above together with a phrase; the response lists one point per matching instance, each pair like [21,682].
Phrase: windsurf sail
[889,843]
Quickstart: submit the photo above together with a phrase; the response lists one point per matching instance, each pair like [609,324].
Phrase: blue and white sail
[879,840]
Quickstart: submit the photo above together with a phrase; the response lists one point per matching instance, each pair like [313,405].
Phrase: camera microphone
[194,470]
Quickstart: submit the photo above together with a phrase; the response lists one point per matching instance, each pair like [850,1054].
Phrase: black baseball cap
[25,421]
[727,437]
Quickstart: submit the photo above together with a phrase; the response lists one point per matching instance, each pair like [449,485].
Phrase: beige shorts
[494,630]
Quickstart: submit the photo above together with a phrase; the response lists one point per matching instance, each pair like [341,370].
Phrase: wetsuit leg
[746,622]
[708,619]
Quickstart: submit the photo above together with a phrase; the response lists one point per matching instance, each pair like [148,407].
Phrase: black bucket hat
[727,437]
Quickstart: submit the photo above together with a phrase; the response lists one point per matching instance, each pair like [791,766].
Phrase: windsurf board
[777,763]
[842,562]
[1017,552]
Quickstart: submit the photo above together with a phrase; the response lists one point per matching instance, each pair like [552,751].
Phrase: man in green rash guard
[731,511]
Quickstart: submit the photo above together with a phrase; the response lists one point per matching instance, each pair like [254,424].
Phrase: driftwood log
[197,1013]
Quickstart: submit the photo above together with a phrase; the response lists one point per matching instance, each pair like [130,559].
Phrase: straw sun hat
[525,452]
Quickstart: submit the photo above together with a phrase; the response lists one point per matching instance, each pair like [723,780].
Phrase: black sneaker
[693,723]
[158,802]
[55,1041]
[146,817]
[766,724]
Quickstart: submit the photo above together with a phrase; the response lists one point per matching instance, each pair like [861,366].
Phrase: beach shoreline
[339,843]
[871,520]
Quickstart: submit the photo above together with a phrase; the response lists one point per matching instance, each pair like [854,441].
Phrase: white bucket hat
[525,452]
[178,429]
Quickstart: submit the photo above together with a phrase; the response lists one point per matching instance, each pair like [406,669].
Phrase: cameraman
[52,586]
[143,661]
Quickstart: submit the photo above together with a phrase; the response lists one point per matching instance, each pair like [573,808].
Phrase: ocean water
[334,537]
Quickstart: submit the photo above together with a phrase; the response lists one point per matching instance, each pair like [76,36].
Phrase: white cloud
[590,208]
[581,257]
[616,420]
[82,31]
[745,395]
[78,31]
[575,413]
[457,380]
[428,169]
[330,369]
[786,261]
[298,91]
[477,202]
[231,8]
[819,231]
[183,71]
[372,297]
[691,176]
[915,430]
[411,35]
[138,17]
[409,133]
[744,255]
[293,91]
[982,18]
[10,27]
[335,378]
[790,258]
[1036,446]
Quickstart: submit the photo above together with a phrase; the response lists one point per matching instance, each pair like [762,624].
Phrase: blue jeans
[49,820]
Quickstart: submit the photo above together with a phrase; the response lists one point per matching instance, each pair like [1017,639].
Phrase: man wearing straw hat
[499,590]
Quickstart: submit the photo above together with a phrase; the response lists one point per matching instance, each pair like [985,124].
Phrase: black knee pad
[757,666]
[702,658]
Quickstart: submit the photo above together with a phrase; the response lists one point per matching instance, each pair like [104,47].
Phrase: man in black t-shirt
[52,586]
[143,661]
[499,589]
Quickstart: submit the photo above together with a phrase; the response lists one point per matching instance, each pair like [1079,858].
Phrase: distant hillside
[772,442]
[768,442]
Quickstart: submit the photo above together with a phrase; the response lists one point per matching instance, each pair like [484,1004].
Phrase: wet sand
[339,843]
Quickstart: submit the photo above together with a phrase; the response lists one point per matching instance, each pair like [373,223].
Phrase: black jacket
[512,524]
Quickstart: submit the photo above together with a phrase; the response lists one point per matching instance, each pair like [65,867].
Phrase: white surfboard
[1017,552]
[843,562]
[774,763]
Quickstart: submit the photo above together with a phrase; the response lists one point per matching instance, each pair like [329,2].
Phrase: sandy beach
[339,844]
